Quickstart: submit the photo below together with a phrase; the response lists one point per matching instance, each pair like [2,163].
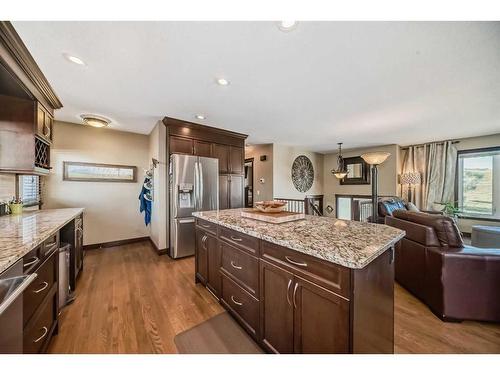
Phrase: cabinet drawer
[240,240]
[331,276]
[31,260]
[242,267]
[241,304]
[39,329]
[207,226]
[49,245]
[36,292]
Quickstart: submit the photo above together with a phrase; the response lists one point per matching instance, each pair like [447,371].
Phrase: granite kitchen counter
[348,243]
[19,234]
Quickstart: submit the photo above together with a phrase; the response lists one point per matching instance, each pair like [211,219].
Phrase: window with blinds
[29,190]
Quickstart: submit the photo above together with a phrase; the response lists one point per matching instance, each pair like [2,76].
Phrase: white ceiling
[363,83]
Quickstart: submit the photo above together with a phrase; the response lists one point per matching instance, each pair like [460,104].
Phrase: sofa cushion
[446,229]
[387,207]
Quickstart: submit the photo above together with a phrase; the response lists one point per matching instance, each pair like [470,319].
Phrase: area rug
[218,335]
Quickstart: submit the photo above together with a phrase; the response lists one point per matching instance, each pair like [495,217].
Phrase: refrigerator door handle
[200,173]
[195,190]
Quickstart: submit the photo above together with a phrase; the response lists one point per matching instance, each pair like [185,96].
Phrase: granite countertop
[19,234]
[351,244]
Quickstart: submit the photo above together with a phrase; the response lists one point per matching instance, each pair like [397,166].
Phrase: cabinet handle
[45,330]
[203,241]
[237,239]
[288,292]
[206,225]
[236,302]
[296,263]
[295,294]
[45,285]
[235,266]
[33,261]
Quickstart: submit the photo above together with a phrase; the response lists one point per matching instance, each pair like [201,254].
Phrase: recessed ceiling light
[73,59]
[95,121]
[200,117]
[222,81]
[287,25]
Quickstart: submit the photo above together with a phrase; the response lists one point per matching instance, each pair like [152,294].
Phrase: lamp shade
[410,178]
[375,158]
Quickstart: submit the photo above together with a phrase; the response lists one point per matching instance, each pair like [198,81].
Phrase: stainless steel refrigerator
[194,186]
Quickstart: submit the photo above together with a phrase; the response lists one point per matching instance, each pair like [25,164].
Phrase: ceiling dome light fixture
[341,170]
[222,82]
[95,121]
[200,117]
[74,59]
[287,25]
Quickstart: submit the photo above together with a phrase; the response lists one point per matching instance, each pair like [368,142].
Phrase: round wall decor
[302,173]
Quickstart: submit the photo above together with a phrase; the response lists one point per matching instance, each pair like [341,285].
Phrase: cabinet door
[221,152]
[201,256]
[202,148]
[47,132]
[276,308]
[181,145]
[321,319]
[236,191]
[214,261]
[223,192]
[40,120]
[236,159]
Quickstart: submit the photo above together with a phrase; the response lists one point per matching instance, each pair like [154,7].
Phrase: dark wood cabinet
[223,192]
[231,191]
[27,104]
[202,148]
[44,123]
[236,160]
[214,260]
[201,257]
[181,145]
[276,308]
[321,319]
[290,302]
[221,152]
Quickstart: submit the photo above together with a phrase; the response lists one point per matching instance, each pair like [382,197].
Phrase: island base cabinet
[276,308]
[321,320]
[201,256]
[208,260]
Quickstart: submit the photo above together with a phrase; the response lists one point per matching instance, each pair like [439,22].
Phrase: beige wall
[387,175]
[262,169]
[283,157]
[158,150]
[7,186]
[111,208]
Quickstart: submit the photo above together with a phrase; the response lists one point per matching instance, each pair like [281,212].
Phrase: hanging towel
[145,203]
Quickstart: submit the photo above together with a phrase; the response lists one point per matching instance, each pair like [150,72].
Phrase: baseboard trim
[115,243]
[156,249]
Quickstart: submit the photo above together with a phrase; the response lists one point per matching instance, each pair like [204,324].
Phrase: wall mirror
[358,172]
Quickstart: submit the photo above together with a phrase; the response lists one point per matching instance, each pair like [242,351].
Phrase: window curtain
[436,163]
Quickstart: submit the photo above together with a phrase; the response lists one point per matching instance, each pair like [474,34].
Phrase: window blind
[29,187]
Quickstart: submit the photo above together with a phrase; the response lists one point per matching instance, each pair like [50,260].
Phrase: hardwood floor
[130,300]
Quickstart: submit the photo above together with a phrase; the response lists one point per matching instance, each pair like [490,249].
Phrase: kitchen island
[318,285]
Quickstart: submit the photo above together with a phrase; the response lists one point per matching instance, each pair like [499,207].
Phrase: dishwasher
[12,286]
[65,294]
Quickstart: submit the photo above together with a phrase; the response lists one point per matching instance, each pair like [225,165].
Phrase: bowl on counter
[270,206]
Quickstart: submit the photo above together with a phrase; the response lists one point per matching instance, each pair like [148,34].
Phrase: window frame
[465,152]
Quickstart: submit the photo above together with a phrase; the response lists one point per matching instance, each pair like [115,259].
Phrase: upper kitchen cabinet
[27,104]
[228,147]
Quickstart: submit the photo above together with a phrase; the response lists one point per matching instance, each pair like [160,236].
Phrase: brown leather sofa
[457,282]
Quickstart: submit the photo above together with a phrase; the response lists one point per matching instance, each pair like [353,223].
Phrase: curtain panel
[436,163]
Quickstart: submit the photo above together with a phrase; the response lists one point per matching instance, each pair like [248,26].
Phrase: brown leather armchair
[456,281]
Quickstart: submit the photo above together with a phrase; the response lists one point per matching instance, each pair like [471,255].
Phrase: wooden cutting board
[274,218]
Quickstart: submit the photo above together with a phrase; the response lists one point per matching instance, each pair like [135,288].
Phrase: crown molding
[13,43]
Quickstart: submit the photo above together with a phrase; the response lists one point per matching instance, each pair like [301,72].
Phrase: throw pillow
[411,207]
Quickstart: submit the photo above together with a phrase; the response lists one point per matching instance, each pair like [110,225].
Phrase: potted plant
[450,209]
